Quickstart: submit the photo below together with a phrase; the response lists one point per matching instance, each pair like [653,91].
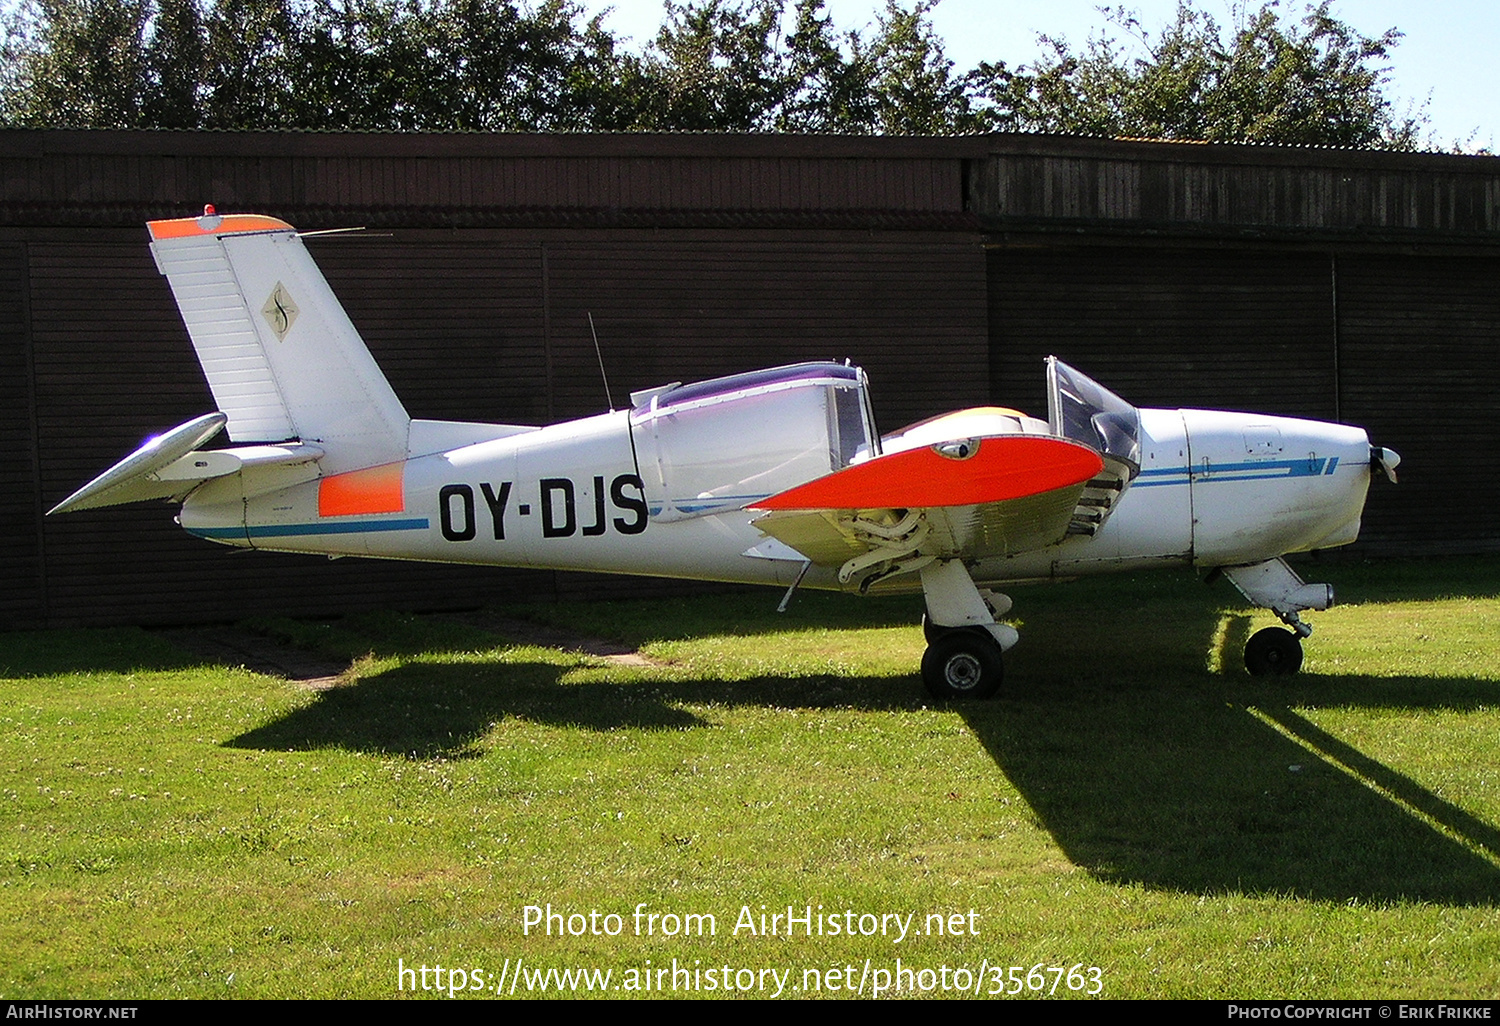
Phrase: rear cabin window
[723,444]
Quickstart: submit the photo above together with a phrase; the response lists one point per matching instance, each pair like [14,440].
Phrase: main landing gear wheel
[1273,652]
[963,664]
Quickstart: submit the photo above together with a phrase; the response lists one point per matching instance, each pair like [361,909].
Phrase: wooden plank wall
[1420,369]
[21,570]
[1178,275]
[1203,188]
[668,305]
[437,179]
[1167,328]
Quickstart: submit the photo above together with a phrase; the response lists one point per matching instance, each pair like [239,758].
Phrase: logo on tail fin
[280,312]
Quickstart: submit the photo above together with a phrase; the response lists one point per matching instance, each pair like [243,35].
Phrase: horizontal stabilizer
[139,475]
[171,465]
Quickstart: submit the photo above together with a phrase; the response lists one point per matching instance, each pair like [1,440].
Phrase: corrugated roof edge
[310,217]
[23,142]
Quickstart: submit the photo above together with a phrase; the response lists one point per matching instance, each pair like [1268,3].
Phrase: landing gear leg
[1275,586]
[964,643]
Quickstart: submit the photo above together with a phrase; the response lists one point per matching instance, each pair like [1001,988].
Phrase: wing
[965,498]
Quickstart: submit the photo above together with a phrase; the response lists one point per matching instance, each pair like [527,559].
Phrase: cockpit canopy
[717,445]
[1081,409]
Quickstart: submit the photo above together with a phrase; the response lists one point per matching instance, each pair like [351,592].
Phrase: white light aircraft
[772,477]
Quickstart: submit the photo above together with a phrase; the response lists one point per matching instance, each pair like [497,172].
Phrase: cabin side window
[723,444]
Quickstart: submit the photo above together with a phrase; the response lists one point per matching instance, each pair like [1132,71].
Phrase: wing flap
[1007,528]
[824,536]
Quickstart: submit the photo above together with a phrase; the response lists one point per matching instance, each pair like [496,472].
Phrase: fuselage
[1213,489]
[1219,489]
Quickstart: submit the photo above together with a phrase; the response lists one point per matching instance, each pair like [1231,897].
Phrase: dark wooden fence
[1318,283]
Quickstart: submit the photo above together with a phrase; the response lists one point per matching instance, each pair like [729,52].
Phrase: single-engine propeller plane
[771,477]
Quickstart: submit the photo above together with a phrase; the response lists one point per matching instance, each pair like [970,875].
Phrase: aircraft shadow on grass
[442,710]
[1217,784]
[1207,784]
[1237,792]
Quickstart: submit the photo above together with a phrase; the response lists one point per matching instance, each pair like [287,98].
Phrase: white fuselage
[1219,489]
[1214,489]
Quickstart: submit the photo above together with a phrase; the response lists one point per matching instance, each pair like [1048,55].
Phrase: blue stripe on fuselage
[329,527]
[1265,470]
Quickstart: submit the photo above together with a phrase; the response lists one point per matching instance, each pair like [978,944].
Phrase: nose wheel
[963,663]
[1275,586]
[1273,652]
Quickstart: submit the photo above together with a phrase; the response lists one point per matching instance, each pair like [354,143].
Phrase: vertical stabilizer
[282,358]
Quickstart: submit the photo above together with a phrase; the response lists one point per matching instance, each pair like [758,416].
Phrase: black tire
[931,631]
[1273,652]
[963,664]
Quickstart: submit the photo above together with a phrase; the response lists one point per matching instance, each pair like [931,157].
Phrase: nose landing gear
[1275,586]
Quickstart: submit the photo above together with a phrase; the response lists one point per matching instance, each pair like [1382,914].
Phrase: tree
[496,67]
[455,65]
[914,90]
[174,61]
[1314,82]
[148,64]
[725,66]
[717,66]
[829,77]
[393,65]
[78,63]
[252,53]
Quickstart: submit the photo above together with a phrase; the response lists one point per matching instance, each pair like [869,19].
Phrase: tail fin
[282,358]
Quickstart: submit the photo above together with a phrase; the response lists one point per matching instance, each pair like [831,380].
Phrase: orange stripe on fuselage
[229,224]
[373,490]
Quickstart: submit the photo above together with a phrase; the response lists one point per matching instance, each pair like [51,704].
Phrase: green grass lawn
[1132,802]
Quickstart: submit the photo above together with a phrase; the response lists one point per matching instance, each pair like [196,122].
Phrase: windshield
[1080,408]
